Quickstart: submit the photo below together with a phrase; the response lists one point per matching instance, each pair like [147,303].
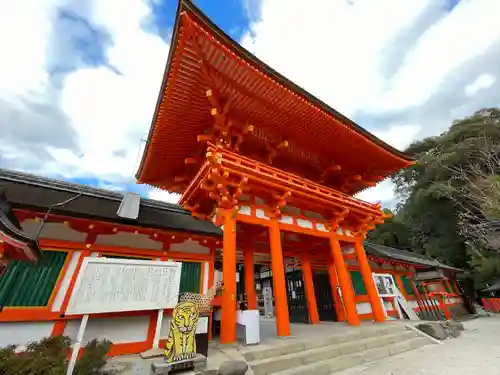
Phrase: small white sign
[385,284]
[114,285]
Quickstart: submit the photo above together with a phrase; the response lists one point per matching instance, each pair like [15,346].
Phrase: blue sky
[78,97]
[91,42]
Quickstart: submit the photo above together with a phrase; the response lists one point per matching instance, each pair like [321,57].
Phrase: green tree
[451,194]
[393,233]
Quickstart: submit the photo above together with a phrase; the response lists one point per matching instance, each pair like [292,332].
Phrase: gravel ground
[475,352]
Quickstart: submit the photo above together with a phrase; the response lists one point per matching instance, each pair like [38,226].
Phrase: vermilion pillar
[339,306]
[279,284]
[249,277]
[228,318]
[366,273]
[312,307]
[344,282]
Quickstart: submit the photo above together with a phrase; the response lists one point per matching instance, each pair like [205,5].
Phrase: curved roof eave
[187,5]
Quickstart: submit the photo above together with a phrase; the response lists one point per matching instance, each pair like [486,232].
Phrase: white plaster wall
[217,276]
[363,308]
[261,214]
[286,219]
[366,308]
[305,223]
[140,241]
[321,227]
[206,268]
[117,330]
[22,333]
[245,210]
[190,246]
[57,231]
[58,300]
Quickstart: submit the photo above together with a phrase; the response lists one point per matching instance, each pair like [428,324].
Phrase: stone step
[343,362]
[283,362]
[296,346]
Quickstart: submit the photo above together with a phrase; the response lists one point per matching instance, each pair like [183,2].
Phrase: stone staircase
[327,355]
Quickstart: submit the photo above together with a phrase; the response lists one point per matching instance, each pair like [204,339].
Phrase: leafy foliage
[451,197]
[49,357]
[393,233]
[93,359]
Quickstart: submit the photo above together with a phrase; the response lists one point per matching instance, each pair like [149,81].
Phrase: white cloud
[165,196]
[383,192]
[441,49]
[482,82]
[23,47]
[374,57]
[331,48]
[109,112]
[398,135]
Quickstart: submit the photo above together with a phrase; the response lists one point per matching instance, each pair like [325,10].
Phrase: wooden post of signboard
[121,285]
[156,339]
[77,345]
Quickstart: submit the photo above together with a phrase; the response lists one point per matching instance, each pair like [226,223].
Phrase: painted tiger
[181,341]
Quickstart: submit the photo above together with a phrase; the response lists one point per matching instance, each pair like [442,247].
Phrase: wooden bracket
[278,202]
[272,148]
[327,173]
[349,181]
[338,218]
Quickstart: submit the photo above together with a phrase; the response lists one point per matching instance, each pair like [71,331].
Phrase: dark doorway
[324,298]
[297,304]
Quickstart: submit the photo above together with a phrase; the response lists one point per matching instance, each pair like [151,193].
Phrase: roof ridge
[73,187]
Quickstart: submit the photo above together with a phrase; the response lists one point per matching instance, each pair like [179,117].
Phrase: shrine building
[268,176]
[276,167]
[34,298]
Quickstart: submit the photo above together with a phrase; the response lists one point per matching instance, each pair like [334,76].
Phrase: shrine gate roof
[202,57]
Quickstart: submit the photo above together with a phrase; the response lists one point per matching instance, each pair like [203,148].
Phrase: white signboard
[385,284]
[114,285]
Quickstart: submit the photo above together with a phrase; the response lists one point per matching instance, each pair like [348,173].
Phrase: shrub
[93,359]
[49,357]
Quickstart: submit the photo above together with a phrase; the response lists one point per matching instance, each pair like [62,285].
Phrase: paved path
[476,352]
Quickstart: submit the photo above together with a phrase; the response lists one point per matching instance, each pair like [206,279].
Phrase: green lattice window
[190,277]
[407,285]
[445,286]
[358,283]
[25,284]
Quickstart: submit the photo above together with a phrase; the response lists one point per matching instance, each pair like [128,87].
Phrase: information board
[116,285]
[385,284]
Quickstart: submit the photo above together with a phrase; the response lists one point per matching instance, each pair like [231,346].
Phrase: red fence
[492,304]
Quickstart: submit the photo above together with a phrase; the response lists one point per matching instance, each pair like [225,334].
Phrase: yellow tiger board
[181,341]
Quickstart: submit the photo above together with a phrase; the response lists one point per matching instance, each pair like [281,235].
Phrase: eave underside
[203,58]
